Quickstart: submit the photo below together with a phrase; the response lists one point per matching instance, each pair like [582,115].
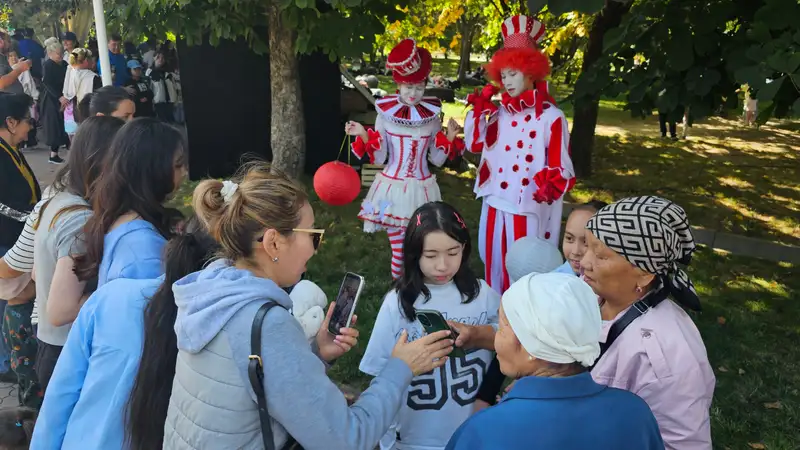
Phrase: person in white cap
[547,339]
[525,166]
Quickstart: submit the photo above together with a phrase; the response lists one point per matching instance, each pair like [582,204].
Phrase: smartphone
[433,321]
[346,302]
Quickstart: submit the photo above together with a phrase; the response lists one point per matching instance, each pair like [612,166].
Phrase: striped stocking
[396,236]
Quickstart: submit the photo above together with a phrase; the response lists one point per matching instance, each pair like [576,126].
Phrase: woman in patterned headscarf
[649,344]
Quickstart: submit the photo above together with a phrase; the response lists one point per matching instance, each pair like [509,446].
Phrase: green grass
[753,350]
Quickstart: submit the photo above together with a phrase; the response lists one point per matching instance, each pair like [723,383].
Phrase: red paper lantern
[337,183]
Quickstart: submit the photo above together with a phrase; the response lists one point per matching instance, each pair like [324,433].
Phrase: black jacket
[15,193]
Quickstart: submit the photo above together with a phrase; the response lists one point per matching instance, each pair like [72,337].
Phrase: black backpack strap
[255,371]
[636,311]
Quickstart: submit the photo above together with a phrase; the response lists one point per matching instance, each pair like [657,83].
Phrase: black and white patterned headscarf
[654,235]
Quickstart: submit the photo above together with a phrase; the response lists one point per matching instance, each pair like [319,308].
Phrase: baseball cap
[134,64]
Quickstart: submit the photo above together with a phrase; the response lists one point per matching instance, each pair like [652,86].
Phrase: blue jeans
[5,354]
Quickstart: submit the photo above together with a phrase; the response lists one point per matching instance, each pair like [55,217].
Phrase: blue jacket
[86,397]
[132,250]
[571,413]
[120,67]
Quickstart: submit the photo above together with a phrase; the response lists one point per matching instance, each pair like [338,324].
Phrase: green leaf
[759,32]
[558,7]
[752,75]
[680,52]
[613,38]
[765,113]
[767,93]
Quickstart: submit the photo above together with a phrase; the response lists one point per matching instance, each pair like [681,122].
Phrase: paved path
[38,158]
[8,395]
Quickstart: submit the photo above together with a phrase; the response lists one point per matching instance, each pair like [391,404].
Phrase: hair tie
[18,423]
[228,189]
[419,219]
[461,221]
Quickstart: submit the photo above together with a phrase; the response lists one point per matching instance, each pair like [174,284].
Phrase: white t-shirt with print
[440,401]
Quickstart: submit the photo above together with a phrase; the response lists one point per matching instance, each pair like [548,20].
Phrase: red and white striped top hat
[409,63]
[522,31]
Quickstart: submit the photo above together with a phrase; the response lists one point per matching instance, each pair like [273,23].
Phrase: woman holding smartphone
[264,225]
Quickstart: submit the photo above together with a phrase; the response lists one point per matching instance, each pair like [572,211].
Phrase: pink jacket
[661,358]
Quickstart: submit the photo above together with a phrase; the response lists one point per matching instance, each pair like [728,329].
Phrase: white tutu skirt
[391,202]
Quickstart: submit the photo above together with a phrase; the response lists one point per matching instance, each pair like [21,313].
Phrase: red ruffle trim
[551,185]
[481,102]
[452,149]
[361,148]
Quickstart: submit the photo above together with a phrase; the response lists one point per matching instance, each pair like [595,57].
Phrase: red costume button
[515,168]
[520,144]
[532,134]
[547,235]
[500,170]
[503,185]
[508,148]
[514,123]
[529,158]
[528,118]
[526,181]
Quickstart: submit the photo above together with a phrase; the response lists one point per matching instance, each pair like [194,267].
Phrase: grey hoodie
[209,406]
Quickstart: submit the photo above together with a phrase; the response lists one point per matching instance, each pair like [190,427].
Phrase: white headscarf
[556,317]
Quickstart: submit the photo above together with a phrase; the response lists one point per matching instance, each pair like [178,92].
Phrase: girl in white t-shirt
[436,276]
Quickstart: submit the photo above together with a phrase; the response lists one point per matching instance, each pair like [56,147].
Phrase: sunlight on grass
[756,306]
[735,182]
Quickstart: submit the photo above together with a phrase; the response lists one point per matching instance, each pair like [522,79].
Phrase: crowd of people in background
[59,73]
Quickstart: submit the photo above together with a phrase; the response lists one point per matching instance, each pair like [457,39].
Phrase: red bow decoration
[481,102]
[551,185]
[452,149]
[360,148]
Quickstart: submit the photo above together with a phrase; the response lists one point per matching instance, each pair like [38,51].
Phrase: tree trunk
[467,30]
[288,136]
[587,107]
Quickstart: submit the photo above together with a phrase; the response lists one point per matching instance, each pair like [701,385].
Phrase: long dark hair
[89,148]
[103,101]
[16,427]
[146,409]
[138,176]
[428,218]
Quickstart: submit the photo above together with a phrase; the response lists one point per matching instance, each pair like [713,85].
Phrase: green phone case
[433,321]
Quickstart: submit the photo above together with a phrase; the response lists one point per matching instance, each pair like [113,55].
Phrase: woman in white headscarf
[547,339]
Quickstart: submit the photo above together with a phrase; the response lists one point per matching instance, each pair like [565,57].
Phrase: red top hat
[409,63]
[522,32]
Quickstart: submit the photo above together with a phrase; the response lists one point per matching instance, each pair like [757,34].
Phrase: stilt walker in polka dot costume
[407,133]
[525,167]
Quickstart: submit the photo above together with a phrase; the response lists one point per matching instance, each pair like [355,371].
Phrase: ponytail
[146,409]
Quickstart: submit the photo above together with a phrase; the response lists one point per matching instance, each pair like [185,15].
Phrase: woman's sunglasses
[316,236]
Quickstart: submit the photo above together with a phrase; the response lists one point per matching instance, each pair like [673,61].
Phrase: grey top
[56,240]
[5,69]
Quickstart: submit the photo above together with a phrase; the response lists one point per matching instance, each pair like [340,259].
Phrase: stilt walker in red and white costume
[407,132]
[525,165]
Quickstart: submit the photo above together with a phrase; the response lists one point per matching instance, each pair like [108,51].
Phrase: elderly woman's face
[511,354]
[610,275]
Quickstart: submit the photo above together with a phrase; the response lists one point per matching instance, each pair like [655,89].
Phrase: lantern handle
[342,147]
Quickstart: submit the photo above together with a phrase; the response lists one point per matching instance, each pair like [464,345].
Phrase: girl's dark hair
[146,409]
[13,106]
[428,218]
[103,101]
[591,205]
[16,427]
[89,148]
[138,176]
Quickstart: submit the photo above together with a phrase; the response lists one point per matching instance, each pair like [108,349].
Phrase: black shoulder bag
[255,372]
[638,308]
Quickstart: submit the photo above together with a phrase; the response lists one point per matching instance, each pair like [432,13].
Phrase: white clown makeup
[411,94]
[514,81]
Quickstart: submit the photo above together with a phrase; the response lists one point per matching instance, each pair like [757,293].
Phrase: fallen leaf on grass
[773,405]
[756,445]
[722,369]
[741,371]
[721,320]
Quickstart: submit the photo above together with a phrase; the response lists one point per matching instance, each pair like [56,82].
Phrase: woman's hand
[22,66]
[473,336]
[453,128]
[424,354]
[356,129]
[332,347]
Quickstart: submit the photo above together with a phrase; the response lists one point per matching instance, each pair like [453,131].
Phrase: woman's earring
[638,289]
[275,259]
[530,358]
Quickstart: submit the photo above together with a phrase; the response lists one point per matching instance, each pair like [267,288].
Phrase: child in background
[29,85]
[139,87]
[574,243]
[531,255]
[436,276]
[16,428]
